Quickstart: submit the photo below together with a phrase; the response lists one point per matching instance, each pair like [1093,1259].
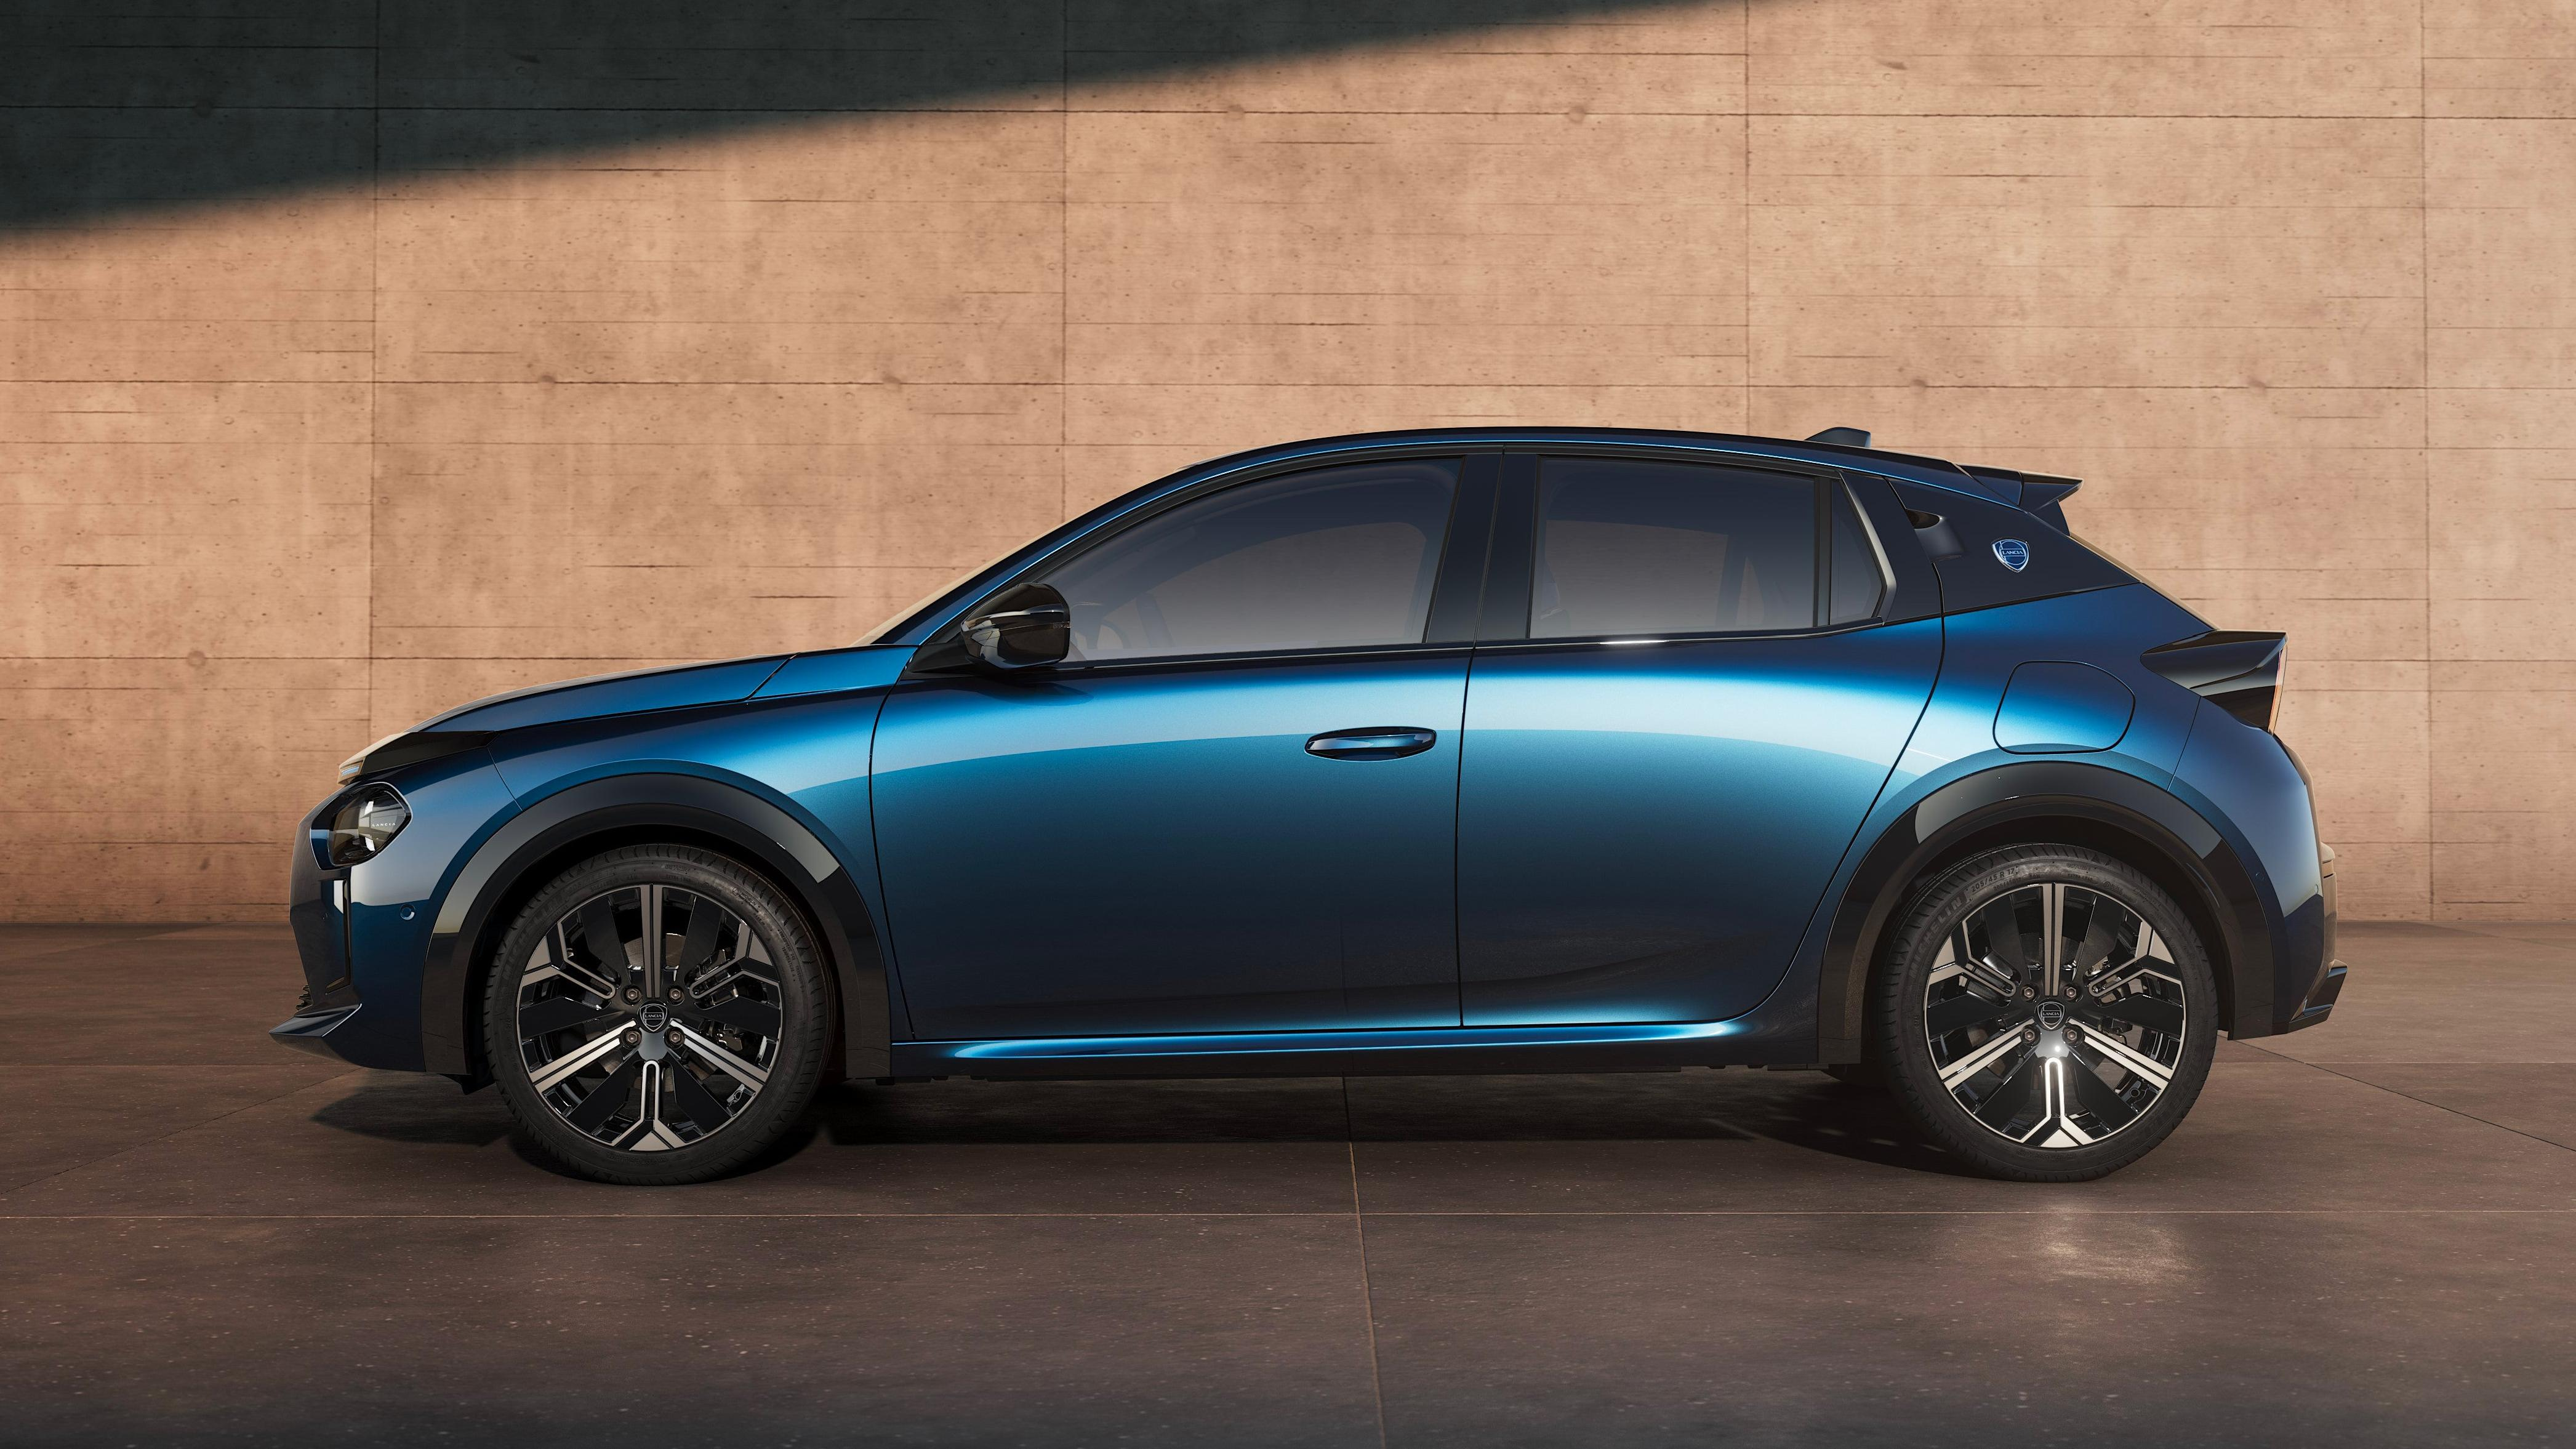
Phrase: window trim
[1507,599]
[1878,551]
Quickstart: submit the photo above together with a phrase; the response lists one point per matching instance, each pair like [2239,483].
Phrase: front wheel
[657,1015]
[2047,1013]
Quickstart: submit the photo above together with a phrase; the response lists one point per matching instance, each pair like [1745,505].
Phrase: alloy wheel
[2055,1014]
[649,1017]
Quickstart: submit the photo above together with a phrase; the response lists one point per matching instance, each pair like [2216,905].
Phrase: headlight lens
[366,823]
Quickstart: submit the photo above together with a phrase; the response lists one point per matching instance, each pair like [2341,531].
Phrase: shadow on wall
[111,110]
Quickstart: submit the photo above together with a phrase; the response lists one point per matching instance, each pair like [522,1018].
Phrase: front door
[1231,809]
[1660,780]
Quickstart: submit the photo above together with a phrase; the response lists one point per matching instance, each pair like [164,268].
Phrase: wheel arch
[2055,802]
[549,836]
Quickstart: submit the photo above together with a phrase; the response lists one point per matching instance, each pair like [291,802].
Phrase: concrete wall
[356,361]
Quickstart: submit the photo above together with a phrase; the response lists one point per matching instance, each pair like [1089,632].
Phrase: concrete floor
[2365,1234]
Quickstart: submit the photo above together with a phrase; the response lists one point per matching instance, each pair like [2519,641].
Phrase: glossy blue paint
[1137,849]
[2109,628]
[2053,707]
[639,692]
[2246,782]
[807,755]
[455,803]
[1644,829]
[835,671]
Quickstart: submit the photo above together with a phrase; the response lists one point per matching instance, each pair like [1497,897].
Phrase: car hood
[674,687]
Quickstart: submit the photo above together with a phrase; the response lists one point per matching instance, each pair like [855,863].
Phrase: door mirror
[1019,628]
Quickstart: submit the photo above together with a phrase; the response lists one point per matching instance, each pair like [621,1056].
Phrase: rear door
[1684,699]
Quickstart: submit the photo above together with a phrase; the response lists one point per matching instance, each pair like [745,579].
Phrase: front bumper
[310,1031]
[317,906]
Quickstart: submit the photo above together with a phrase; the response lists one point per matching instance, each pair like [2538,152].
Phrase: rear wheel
[657,1015]
[2047,1013]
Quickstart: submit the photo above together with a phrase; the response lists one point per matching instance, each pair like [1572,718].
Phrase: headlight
[366,823]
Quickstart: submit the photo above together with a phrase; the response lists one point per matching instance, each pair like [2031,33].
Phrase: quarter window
[1630,546]
[1332,558]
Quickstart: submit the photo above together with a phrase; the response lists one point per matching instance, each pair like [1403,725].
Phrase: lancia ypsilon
[1461,751]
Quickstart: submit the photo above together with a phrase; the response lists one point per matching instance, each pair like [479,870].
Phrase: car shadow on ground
[1806,1110]
[1803,1110]
[423,1110]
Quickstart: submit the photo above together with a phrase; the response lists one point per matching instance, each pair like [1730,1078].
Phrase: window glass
[1335,557]
[1859,574]
[1627,546]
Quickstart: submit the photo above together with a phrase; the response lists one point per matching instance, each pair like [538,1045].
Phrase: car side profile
[1457,751]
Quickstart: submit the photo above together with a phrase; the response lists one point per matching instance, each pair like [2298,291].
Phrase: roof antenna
[1845,437]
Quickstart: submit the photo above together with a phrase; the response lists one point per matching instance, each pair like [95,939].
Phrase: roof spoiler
[2037,494]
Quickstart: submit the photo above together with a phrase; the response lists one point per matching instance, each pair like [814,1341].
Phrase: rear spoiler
[2237,670]
[2037,494]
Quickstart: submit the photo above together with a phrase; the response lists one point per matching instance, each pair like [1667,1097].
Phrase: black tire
[2057,1070]
[740,1016]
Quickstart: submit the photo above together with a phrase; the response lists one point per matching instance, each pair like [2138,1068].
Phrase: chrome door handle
[1377,742]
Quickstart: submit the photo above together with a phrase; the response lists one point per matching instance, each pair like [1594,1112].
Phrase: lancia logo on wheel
[2052,1015]
[653,1017]
[2012,553]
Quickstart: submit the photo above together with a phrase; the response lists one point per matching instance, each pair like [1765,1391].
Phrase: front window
[1332,558]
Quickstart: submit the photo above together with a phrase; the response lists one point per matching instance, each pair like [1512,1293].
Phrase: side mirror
[1020,628]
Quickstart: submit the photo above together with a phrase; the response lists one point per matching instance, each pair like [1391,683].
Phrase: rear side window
[1332,558]
[1632,546]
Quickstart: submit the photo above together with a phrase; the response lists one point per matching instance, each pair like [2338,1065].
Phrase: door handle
[1376,742]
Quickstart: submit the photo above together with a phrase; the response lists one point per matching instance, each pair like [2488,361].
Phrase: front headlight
[366,823]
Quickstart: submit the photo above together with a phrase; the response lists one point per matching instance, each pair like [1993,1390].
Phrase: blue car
[1460,751]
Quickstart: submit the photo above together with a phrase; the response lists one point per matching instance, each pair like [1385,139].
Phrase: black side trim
[1975,576]
[2083,805]
[1457,596]
[1940,541]
[2044,496]
[2206,659]
[1507,573]
[1917,594]
[600,814]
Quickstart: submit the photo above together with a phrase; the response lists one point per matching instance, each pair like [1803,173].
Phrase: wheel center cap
[2052,1015]
[656,1016]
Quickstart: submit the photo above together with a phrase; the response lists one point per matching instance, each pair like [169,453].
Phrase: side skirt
[1650,1046]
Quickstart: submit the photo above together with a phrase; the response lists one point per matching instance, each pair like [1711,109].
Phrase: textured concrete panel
[2031,57]
[2500,200]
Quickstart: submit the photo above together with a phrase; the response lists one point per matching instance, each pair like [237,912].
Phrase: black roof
[1935,471]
